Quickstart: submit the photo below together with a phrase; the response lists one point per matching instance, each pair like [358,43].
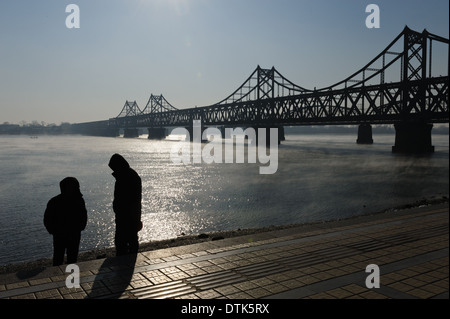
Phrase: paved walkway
[323,260]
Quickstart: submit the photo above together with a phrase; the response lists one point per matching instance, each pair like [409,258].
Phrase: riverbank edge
[107,252]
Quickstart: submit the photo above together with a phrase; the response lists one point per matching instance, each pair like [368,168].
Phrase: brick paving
[314,261]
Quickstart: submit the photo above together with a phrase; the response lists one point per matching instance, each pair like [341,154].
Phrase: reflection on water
[319,177]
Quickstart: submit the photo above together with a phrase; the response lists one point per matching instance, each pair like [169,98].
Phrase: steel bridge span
[398,87]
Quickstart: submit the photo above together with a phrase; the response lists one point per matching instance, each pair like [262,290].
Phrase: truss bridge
[400,86]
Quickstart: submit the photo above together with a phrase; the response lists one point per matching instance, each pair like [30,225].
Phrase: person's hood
[117,163]
[70,187]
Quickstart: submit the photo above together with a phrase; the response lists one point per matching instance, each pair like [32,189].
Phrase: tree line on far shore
[34,128]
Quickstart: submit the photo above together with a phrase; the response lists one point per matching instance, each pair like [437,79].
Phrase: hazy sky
[194,52]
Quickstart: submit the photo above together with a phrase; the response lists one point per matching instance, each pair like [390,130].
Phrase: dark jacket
[66,213]
[127,194]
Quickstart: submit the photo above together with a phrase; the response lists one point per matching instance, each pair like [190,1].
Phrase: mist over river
[319,177]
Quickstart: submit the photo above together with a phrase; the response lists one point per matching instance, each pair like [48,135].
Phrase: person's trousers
[126,241]
[65,243]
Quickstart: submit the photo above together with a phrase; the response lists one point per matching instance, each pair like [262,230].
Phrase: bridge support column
[365,134]
[112,132]
[130,132]
[156,133]
[223,131]
[413,137]
[195,134]
[190,130]
[281,136]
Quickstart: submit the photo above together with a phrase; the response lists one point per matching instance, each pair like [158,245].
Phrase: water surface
[319,177]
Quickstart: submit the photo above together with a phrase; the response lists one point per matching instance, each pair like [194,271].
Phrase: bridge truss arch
[157,104]
[395,86]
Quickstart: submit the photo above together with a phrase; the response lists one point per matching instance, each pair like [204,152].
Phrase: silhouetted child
[65,218]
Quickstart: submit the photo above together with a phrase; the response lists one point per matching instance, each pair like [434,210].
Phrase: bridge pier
[413,137]
[130,132]
[223,131]
[156,133]
[281,136]
[365,134]
[193,133]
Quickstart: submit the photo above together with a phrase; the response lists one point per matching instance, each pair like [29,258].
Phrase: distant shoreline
[193,239]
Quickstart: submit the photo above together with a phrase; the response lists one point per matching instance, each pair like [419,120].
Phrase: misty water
[320,177]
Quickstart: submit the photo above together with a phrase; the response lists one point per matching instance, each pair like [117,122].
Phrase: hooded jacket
[66,213]
[127,193]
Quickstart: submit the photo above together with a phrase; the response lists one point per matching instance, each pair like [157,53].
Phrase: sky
[194,52]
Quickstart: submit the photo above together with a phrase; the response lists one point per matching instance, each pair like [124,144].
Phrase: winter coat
[66,213]
[127,194]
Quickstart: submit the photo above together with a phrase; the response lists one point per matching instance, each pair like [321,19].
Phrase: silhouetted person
[64,218]
[126,206]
